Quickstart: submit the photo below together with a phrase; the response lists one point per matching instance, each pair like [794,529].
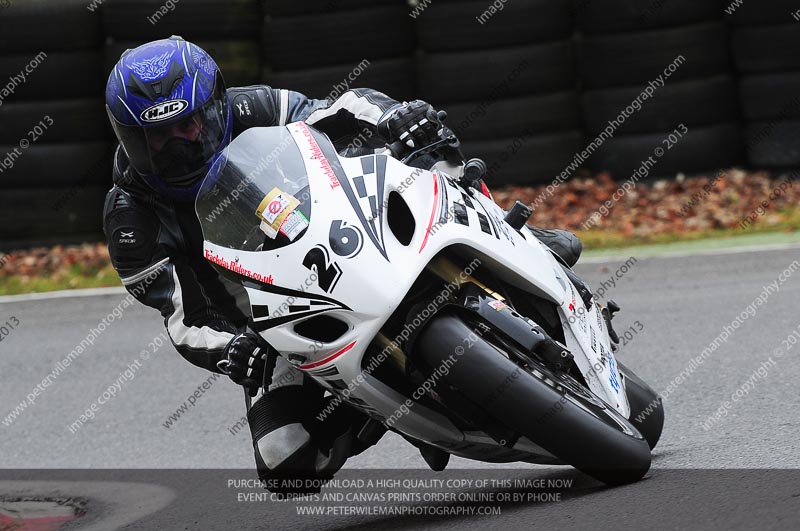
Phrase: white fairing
[364,287]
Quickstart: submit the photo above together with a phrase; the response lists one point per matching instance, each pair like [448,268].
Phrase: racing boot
[300,438]
[565,244]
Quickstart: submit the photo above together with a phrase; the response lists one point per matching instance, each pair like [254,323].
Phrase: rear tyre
[552,410]
[49,70]
[390,76]
[75,215]
[496,73]
[766,48]
[701,149]
[76,120]
[308,7]
[145,20]
[62,164]
[761,13]
[451,27]
[525,159]
[627,59]
[773,144]
[615,16]
[69,24]
[695,103]
[296,42]
[508,117]
[770,96]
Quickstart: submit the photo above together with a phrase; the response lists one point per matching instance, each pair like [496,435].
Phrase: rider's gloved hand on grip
[416,124]
[245,360]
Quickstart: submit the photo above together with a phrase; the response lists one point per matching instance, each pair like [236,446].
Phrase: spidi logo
[164,110]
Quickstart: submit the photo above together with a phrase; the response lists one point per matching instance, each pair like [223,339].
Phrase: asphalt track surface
[741,472]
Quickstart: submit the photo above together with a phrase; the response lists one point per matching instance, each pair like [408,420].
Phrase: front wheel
[647,410]
[551,409]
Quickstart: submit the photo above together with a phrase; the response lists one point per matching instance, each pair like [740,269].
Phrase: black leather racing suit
[156,246]
[147,232]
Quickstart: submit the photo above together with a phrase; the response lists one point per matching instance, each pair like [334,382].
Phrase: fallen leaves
[661,206]
[57,262]
[675,206]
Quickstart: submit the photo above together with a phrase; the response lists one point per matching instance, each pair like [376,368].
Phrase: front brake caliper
[526,333]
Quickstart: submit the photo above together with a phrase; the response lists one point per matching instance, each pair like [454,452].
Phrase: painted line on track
[717,247]
[63,294]
[642,252]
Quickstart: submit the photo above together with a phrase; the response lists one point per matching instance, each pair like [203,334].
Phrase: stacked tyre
[688,119]
[55,156]
[229,31]
[766,50]
[325,47]
[506,79]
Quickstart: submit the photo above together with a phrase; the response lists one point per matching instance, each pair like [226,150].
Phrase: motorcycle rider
[173,117]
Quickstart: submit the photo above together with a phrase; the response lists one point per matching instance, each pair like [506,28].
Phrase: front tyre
[647,410]
[551,409]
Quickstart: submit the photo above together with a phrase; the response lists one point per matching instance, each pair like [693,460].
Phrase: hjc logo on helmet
[164,110]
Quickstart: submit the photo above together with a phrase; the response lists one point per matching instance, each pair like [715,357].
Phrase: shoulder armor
[253,106]
[132,230]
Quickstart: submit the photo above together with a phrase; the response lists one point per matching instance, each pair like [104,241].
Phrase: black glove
[245,360]
[416,124]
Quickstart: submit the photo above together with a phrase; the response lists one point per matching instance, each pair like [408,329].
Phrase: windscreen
[258,197]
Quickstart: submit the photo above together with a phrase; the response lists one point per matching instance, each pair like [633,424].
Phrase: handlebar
[474,169]
[397,148]
[404,154]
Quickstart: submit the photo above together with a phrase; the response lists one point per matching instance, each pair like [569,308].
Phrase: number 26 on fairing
[318,261]
[345,241]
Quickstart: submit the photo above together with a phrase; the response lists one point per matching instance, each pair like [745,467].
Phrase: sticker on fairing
[498,305]
[293,225]
[274,209]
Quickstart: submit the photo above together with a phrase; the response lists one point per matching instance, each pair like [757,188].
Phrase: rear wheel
[551,409]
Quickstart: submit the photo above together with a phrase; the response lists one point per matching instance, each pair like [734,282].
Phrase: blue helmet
[170,111]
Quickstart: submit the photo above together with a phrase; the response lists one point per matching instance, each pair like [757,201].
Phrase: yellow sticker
[274,209]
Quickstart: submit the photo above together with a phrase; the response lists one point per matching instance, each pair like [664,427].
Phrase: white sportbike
[413,297]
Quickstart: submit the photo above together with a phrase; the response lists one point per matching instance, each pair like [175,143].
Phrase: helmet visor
[177,151]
